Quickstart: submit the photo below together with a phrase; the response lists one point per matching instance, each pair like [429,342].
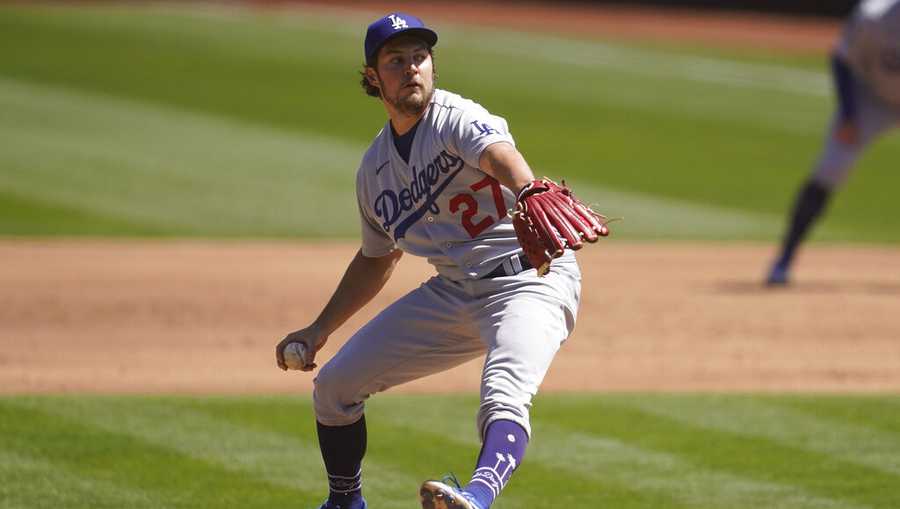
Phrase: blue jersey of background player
[866,69]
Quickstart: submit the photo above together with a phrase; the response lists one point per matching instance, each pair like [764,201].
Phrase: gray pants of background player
[518,321]
[873,118]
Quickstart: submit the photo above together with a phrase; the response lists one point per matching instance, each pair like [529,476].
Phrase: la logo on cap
[397,22]
[391,25]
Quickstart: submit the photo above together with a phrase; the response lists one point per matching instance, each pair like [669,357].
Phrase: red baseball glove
[548,218]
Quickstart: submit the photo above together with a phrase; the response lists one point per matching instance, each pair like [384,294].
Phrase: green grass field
[223,122]
[621,451]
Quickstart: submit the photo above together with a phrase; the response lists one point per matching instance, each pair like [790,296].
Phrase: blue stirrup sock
[502,452]
[810,202]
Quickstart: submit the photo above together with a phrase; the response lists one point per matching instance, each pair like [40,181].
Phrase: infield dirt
[203,317]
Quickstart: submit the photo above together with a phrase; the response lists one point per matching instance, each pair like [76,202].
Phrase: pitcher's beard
[413,104]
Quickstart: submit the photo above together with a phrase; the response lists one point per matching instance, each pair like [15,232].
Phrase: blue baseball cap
[393,25]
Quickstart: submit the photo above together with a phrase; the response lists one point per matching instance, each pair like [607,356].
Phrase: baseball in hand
[295,355]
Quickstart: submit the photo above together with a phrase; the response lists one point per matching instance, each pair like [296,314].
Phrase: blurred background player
[866,70]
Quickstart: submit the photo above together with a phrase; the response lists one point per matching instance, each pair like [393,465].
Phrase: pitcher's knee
[494,409]
[830,179]
[335,402]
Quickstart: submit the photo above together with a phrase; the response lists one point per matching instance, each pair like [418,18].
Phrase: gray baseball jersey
[870,45]
[440,205]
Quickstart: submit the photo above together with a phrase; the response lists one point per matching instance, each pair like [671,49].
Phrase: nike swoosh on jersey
[378,170]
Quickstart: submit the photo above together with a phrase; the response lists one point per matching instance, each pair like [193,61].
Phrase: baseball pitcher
[444,180]
[866,69]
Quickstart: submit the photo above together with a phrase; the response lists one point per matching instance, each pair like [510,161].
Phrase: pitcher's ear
[372,76]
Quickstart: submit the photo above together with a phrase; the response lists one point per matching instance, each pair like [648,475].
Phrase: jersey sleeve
[375,241]
[473,130]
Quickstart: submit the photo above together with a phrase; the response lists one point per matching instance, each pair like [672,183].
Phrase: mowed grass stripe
[709,142]
[658,63]
[287,456]
[39,430]
[850,442]
[670,474]
[633,420]
[283,38]
[865,412]
[589,110]
[20,216]
[589,451]
[388,481]
[645,216]
[437,426]
[281,45]
[394,464]
[403,450]
[664,479]
[250,457]
[82,153]
[28,482]
[170,170]
[249,66]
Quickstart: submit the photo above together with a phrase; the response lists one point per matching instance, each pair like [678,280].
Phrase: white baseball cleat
[437,495]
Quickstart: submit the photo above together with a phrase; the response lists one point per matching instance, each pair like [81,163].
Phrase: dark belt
[510,267]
